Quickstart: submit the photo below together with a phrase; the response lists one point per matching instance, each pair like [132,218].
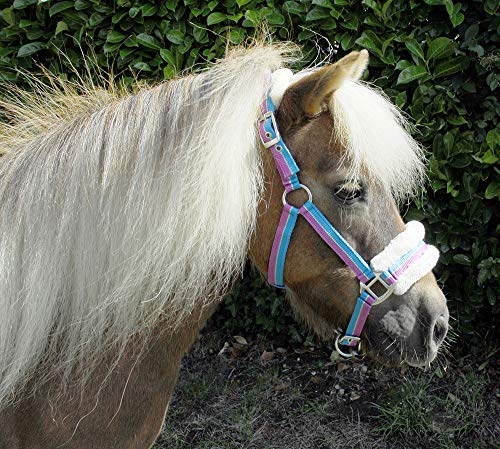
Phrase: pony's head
[357,158]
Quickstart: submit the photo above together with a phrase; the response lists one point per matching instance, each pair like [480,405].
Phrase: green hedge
[438,61]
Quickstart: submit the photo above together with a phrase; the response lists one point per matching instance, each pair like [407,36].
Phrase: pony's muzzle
[434,318]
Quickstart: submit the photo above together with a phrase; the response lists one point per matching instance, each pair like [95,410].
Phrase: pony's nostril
[440,329]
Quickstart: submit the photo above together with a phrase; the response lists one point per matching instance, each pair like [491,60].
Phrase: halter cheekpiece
[404,261]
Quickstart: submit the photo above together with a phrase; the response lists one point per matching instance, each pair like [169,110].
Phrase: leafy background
[438,60]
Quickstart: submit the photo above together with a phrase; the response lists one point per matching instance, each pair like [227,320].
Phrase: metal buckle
[378,299]
[275,140]
[354,351]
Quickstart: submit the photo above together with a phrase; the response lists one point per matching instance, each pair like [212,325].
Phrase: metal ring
[301,186]
[352,353]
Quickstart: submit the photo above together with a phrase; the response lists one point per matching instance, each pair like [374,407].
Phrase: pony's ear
[309,95]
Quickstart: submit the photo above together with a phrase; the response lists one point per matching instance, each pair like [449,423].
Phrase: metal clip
[353,350]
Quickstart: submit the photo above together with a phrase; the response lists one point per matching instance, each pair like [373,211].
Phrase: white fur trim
[414,232]
[280,80]
[417,270]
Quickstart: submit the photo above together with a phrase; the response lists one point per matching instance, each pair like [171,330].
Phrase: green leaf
[236,36]
[457,19]
[142,66]
[59,7]
[21,4]
[471,33]
[149,10]
[371,41]
[114,37]
[275,19]
[134,11]
[456,121]
[61,26]
[175,36]
[366,42]
[415,48]
[31,48]
[317,13]
[348,41]
[323,3]
[242,2]
[493,190]
[401,99]
[216,17]
[80,5]
[235,17]
[462,259]
[385,7]
[493,138]
[95,19]
[371,4]
[439,48]
[126,52]
[403,64]
[450,67]
[411,73]
[294,8]
[252,16]
[8,16]
[448,141]
[351,24]
[487,158]
[200,34]
[148,41]
[456,16]
[167,56]
[491,6]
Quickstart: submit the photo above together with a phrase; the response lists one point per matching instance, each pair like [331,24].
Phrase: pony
[126,217]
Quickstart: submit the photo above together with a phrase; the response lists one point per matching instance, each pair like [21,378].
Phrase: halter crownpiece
[405,260]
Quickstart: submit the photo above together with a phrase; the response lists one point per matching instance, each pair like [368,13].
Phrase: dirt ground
[238,392]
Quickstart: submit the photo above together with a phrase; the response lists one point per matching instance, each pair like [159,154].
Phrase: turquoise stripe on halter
[283,245]
[357,311]
[347,254]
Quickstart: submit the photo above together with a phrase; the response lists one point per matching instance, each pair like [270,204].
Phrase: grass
[406,411]
[300,399]
[442,413]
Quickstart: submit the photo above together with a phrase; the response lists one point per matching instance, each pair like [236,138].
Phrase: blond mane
[118,208]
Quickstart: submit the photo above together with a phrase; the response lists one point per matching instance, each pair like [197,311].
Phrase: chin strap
[405,260]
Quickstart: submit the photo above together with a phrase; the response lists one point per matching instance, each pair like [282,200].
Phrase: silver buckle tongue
[277,138]
[378,298]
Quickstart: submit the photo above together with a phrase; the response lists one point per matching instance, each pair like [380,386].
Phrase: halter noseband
[395,269]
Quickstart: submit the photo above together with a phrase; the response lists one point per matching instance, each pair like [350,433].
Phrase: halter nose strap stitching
[288,171]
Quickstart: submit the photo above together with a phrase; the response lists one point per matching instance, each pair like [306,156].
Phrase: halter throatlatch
[404,261]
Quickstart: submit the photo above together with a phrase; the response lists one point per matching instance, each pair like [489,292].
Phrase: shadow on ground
[237,393]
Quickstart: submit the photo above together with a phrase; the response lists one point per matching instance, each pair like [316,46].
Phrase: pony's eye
[348,193]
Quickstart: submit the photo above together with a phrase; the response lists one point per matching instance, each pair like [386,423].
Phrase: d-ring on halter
[400,256]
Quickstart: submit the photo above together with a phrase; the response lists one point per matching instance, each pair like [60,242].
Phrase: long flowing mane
[118,209]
